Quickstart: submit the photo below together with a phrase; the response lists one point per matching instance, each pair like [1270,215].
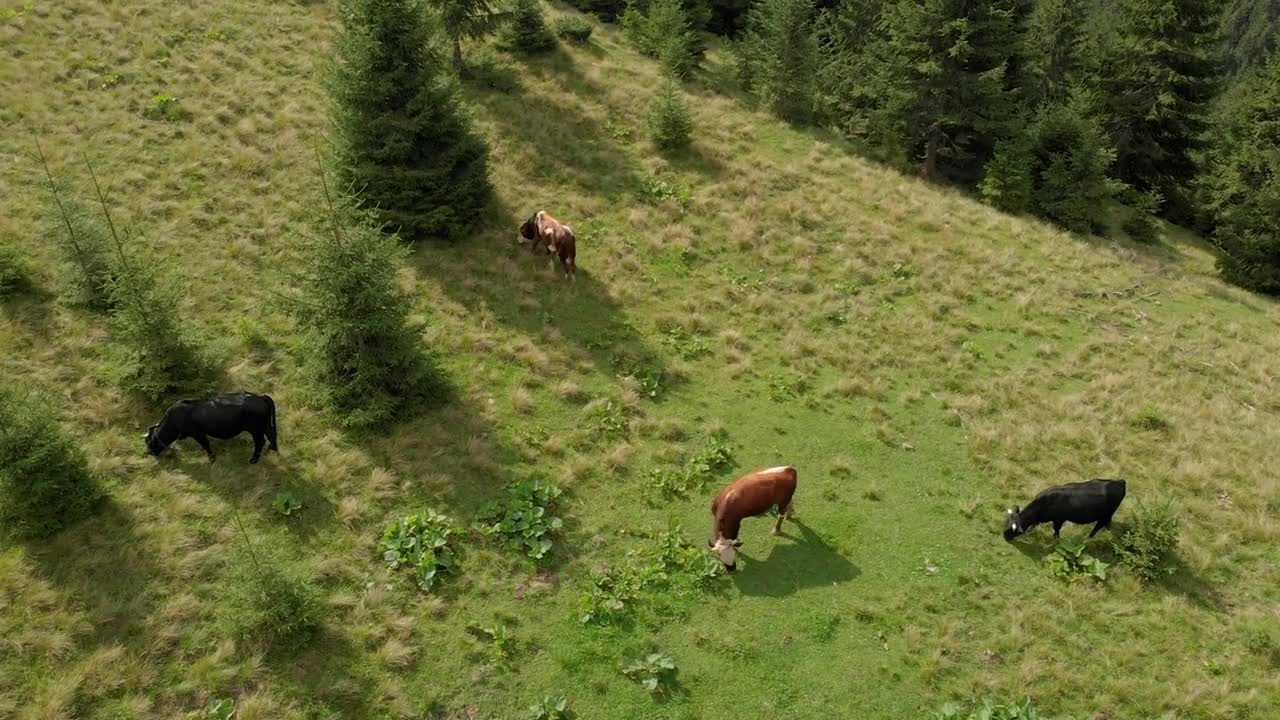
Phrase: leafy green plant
[655,190]
[573,28]
[609,421]
[1149,542]
[670,564]
[163,107]
[286,504]
[219,709]
[989,710]
[524,519]
[686,344]
[551,708]
[500,645]
[714,455]
[655,672]
[1070,562]
[45,481]
[421,542]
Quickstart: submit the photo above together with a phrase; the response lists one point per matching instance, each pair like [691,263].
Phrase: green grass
[923,360]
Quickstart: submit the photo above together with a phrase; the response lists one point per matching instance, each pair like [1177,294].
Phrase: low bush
[266,599]
[421,542]
[1149,542]
[524,520]
[164,107]
[573,29]
[498,642]
[45,481]
[286,504]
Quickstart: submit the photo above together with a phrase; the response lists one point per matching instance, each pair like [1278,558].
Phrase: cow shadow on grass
[807,561]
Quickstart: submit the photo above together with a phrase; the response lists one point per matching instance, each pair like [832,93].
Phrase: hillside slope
[924,361]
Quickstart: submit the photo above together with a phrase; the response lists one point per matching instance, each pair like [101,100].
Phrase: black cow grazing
[222,417]
[1094,501]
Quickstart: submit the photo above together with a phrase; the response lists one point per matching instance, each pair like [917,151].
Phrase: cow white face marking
[777,469]
[725,550]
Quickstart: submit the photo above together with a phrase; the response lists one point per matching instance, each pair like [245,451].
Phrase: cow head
[528,229]
[727,551]
[155,445]
[1013,526]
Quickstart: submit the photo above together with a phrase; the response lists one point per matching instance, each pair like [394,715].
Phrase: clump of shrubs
[989,710]
[573,28]
[1149,542]
[670,122]
[421,543]
[163,107]
[45,481]
[671,564]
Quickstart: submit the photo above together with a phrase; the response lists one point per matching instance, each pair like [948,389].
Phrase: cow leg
[258,441]
[271,437]
[1104,522]
[204,443]
[784,513]
[1057,527]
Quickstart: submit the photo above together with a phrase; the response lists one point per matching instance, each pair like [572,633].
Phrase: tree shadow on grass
[809,561]
[328,671]
[105,565]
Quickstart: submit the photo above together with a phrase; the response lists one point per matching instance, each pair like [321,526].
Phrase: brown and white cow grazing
[750,495]
[542,230]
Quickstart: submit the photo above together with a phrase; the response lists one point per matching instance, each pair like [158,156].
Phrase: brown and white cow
[542,230]
[750,495]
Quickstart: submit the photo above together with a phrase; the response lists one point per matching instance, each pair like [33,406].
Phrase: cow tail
[275,439]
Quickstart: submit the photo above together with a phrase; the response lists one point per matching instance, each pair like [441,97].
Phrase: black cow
[222,417]
[1094,501]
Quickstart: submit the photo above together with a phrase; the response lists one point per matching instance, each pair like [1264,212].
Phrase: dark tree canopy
[403,143]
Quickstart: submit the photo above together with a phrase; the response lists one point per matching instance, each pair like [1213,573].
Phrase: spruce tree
[846,84]
[1241,183]
[669,119]
[526,30]
[402,142]
[1051,49]
[366,363]
[1158,72]
[466,20]
[81,240]
[662,30]
[45,481]
[947,84]
[779,57]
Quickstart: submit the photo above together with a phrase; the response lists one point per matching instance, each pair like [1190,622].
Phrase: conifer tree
[947,83]
[526,30]
[366,363]
[1051,49]
[1241,183]
[662,29]
[669,119]
[779,57]
[1158,72]
[402,142]
[467,20]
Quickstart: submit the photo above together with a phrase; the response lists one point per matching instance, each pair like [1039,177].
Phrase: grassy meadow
[923,360]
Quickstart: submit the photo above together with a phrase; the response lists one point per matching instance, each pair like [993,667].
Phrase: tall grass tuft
[15,272]
[365,361]
[45,482]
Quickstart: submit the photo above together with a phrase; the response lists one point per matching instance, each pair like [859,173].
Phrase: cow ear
[711,544]
[737,543]
[1010,511]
